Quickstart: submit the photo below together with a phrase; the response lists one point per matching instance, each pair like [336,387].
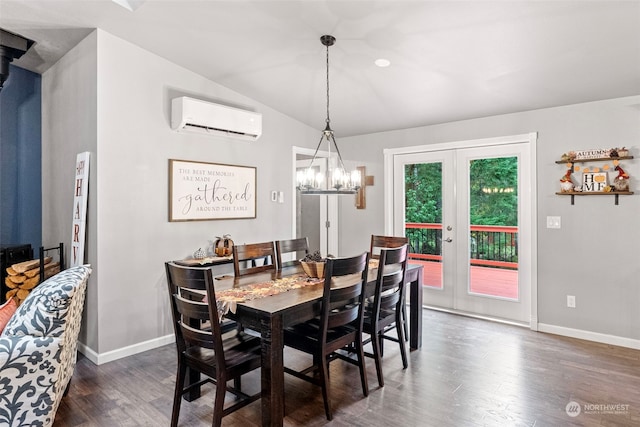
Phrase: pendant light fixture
[336,179]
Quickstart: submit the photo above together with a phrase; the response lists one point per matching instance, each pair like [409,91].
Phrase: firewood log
[11,293]
[17,279]
[22,294]
[28,265]
[52,272]
[36,271]
[10,283]
[30,283]
[11,271]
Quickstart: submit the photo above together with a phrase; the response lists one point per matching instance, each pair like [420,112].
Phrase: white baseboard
[109,356]
[590,336]
[100,358]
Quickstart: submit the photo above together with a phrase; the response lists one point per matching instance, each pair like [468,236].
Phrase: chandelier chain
[328,120]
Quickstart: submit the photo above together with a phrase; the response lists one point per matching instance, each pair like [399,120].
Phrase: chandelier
[336,179]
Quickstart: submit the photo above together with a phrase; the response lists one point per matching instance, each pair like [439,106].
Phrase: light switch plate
[554,222]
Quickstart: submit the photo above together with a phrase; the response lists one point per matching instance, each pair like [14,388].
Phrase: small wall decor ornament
[566,184]
[621,182]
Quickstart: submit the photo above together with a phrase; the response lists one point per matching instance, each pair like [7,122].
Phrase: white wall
[594,256]
[131,237]
[69,118]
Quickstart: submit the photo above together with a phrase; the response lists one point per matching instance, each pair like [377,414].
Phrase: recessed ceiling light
[382,62]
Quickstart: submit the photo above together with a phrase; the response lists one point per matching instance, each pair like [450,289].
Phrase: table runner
[193,262]
[227,299]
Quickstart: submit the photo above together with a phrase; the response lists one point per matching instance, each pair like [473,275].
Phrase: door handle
[448,239]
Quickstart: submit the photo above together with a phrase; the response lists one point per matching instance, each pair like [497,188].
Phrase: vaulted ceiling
[450,60]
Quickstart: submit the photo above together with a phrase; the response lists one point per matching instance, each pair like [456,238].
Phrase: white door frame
[528,193]
[331,204]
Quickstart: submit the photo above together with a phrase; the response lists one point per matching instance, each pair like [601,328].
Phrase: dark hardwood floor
[469,372]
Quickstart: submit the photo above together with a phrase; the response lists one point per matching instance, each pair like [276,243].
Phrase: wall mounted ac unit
[194,115]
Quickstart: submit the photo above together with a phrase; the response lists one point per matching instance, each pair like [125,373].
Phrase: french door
[468,215]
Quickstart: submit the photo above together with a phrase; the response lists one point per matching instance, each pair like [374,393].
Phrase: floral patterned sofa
[38,349]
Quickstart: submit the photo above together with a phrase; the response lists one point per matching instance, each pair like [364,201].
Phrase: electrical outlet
[571,301]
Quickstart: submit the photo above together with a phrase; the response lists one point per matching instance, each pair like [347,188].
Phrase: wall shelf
[594,193]
[599,159]
[570,164]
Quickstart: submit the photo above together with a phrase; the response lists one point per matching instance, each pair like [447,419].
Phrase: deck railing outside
[489,245]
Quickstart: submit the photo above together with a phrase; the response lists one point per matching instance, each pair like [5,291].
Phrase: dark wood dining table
[270,315]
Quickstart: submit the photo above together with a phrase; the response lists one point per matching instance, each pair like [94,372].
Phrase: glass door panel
[493,220]
[423,218]
[493,213]
[423,197]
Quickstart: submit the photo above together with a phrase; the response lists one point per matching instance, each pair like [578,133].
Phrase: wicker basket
[313,268]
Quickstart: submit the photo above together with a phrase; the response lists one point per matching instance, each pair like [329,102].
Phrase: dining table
[270,315]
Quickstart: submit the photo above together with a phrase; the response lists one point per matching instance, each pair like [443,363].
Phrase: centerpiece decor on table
[313,264]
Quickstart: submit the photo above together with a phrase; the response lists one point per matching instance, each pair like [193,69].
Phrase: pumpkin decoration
[223,245]
[199,254]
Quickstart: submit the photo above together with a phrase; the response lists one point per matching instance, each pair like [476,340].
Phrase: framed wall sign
[200,191]
[594,181]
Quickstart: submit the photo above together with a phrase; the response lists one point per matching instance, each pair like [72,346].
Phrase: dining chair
[384,313]
[380,242]
[338,326]
[247,257]
[203,346]
[299,247]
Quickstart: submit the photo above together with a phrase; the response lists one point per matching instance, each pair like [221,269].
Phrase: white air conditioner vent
[194,115]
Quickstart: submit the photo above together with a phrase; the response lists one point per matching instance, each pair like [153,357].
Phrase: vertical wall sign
[80,196]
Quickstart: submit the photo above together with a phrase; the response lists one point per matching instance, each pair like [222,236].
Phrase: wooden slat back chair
[385,312]
[338,326]
[200,342]
[252,253]
[383,242]
[299,246]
